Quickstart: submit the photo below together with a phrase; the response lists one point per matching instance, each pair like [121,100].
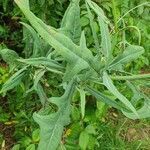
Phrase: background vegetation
[103,127]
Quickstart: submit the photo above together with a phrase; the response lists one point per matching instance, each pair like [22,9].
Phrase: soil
[6,130]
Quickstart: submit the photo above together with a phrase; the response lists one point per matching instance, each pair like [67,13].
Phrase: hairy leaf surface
[62,44]
[52,125]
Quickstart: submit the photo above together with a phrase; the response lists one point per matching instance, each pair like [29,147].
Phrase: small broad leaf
[132,52]
[83,140]
[110,86]
[31,147]
[51,125]
[37,77]
[36,135]
[90,129]
[75,113]
[16,147]
[74,68]
[83,41]
[14,80]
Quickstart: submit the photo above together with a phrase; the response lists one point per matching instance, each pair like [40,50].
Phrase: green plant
[69,57]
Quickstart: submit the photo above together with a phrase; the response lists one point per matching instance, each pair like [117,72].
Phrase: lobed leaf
[62,44]
[52,125]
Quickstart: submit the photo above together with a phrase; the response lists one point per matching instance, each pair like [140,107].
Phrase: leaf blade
[108,83]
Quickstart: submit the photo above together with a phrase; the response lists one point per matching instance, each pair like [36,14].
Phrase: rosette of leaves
[79,68]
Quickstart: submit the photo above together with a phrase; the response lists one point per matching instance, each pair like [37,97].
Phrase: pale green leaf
[16,147]
[36,135]
[90,129]
[76,66]
[31,147]
[83,140]
[83,41]
[37,45]
[83,101]
[71,21]
[50,64]
[38,88]
[73,69]
[136,93]
[51,125]
[132,52]
[110,86]
[91,18]
[105,38]
[101,97]
[97,10]
[143,112]
[62,44]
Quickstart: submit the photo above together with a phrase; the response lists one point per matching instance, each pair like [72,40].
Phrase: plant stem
[133,77]
[114,13]
[146,3]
